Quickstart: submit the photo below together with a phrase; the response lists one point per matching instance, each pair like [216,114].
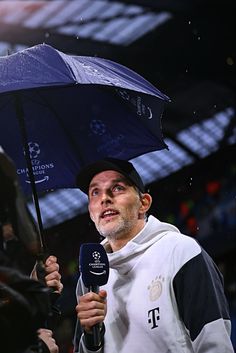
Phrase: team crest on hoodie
[155,288]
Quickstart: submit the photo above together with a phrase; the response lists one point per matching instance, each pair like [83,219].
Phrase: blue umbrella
[60,112]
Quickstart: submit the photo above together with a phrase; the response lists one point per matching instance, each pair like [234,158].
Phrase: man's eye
[94,192]
[118,188]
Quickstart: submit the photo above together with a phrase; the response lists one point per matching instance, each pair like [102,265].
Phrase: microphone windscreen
[94,265]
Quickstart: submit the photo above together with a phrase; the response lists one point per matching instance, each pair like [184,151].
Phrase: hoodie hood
[124,259]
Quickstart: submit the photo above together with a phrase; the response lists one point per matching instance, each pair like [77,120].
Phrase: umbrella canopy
[73,110]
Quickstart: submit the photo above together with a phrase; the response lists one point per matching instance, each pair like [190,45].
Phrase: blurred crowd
[207,210]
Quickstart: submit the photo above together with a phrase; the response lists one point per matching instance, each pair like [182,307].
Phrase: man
[52,280]
[24,307]
[17,291]
[14,256]
[164,292]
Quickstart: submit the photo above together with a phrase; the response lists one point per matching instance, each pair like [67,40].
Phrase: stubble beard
[118,231]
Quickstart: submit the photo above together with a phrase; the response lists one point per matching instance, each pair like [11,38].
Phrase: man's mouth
[108,213]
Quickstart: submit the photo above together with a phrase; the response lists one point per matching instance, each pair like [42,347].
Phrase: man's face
[114,205]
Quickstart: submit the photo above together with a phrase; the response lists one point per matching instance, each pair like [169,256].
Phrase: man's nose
[106,197]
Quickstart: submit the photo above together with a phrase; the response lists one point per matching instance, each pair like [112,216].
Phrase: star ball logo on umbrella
[98,127]
[39,169]
[34,150]
[107,141]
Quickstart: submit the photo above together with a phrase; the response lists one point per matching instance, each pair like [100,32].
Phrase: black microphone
[94,269]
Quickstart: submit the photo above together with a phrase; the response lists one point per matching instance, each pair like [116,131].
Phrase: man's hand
[52,275]
[46,336]
[91,309]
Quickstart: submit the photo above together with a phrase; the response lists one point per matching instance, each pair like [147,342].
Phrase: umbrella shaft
[21,120]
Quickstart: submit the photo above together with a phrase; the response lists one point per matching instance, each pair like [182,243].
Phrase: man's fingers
[50,260]
[53,276]
[54,267]
[91,296]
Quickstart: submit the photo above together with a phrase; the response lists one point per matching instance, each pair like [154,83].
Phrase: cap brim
[86,175]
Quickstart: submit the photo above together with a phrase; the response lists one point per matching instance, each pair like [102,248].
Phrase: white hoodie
[164,295]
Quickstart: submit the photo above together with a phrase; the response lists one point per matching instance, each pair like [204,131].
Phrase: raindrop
[77,37]
[186,70]
[194,112]
[215,106]
[47,35]
[197,228]
[198,38]
[189,22]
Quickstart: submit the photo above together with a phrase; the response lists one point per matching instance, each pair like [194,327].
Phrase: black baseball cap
[122,166]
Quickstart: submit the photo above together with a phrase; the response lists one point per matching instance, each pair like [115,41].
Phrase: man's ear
[146,200]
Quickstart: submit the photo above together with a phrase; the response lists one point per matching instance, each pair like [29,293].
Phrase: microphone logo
[97,265]
[96,255]
[98,273]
